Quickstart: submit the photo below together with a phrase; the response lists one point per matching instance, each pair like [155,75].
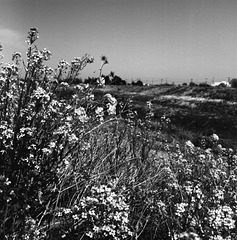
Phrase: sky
[177,40]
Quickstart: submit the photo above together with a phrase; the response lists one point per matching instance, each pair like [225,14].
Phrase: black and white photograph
[118,120]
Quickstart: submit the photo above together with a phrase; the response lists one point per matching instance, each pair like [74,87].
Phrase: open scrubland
[96,162]
[194,111]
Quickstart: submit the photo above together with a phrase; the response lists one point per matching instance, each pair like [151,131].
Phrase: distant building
[222,83]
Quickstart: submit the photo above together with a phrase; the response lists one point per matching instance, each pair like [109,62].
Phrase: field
[113,162]
[193,110]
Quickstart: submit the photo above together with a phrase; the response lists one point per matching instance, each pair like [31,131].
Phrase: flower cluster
[78,64]
[32,231]
[111,104]
[101,213]
[187,236]
[72,70]
[108,211]
[99,111]
[40,93]
[37,57]
[222,217]
[6,135]
[10,69]
[16,58]
[101,81]
[81,114]
[199,192]
[63,64]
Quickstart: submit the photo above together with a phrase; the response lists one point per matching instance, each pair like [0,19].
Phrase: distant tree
[112,74]
[124,82]
[233,82]
[107,80]
[90,80]
[192,84]
[204,85]
[118,81]
[139,83]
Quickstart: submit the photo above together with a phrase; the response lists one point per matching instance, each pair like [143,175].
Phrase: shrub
[100,213]
[39,131]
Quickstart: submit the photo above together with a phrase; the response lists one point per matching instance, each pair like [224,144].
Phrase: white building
[226,83]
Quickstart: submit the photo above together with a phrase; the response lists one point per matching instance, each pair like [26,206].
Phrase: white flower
[52,145]
[67,210]
[110,99]
[67,163]
[41,93]
[78,87]
[69,118]
[72,138]
[189,144]
[180,208]
[111,109]
[89,234]
[221,217]
[81,113]
[106,211]
[65,84]
[101,81]
[99,111]
[46,151]
[215,137]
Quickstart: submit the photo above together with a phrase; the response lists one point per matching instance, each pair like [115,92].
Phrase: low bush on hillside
[87,168]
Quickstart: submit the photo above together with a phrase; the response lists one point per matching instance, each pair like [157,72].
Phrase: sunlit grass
[197,99]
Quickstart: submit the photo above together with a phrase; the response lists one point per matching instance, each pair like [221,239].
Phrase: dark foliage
[233,83]
[138,83]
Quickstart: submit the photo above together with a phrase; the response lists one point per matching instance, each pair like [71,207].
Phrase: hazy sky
[177,39]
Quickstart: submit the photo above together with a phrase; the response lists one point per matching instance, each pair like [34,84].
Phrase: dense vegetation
[85,166]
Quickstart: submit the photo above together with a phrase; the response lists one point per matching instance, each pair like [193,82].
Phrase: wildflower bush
[78,166]
[100,213]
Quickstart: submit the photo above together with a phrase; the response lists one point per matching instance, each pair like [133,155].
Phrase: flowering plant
[101,213]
